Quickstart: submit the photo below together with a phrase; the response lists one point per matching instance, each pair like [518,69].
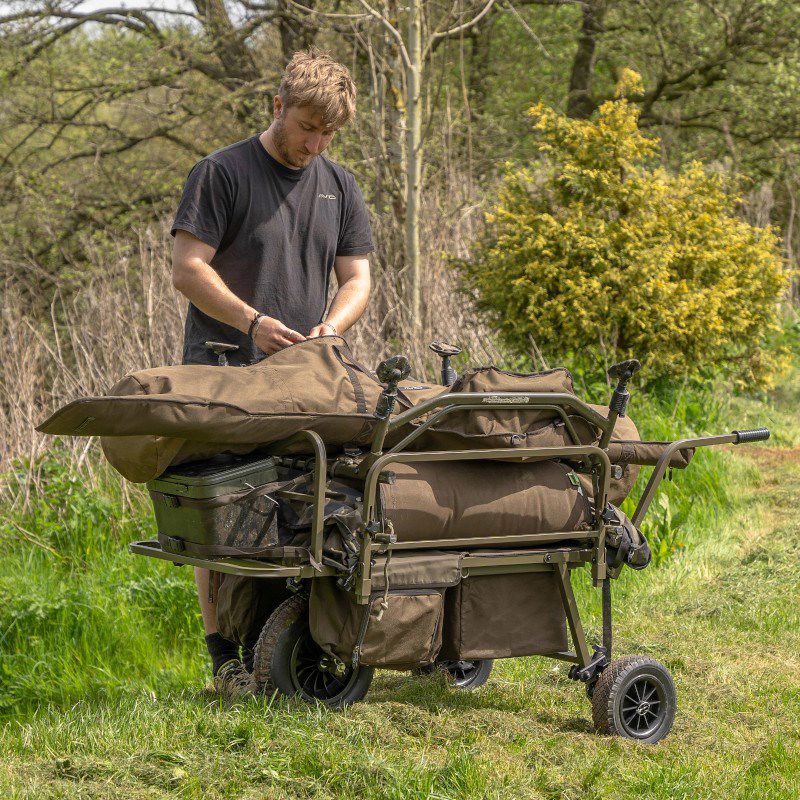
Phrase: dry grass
[126,316]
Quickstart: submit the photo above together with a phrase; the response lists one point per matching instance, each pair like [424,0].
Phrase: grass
[102,671]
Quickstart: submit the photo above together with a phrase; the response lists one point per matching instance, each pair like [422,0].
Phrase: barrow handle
[756,435]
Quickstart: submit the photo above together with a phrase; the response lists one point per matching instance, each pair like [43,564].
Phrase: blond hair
[312,78]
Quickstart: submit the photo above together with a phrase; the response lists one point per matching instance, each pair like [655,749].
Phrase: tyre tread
[283,617]
[603,697]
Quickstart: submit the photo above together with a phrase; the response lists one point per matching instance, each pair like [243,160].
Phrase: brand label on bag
[505,400]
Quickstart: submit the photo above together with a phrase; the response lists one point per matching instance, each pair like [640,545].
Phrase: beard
[279,140]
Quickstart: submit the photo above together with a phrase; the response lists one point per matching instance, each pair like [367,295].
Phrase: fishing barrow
[425,551]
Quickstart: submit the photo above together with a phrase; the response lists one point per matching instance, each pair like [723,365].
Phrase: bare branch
[459,28]
[527,28]
[135,19]
[548,2]
[329,14]
[251,25]
[393,32]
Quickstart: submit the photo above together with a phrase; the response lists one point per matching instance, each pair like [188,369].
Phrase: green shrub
[595,254]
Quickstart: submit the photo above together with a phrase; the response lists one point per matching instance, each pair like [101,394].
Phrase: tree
[415,50]
[596,253]
[178,70]
[104,110]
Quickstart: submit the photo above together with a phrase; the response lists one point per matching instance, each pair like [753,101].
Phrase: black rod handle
[755,435]
[446,352]
[448,373]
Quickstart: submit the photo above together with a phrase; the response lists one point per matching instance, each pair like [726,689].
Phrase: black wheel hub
[462,672]
[314,675]
[643,707]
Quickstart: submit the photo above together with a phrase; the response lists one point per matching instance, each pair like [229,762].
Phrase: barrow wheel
[288,661]
[467,674]
[635,698]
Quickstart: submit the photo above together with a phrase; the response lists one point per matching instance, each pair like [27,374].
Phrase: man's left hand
[323,329]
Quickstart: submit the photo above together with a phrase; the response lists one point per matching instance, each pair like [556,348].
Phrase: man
[260,225]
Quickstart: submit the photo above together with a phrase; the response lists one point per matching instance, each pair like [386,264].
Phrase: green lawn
[102,675]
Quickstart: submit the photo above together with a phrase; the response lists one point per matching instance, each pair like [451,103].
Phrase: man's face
[300,134]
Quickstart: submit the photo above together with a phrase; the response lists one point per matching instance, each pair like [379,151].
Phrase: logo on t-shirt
[327,196]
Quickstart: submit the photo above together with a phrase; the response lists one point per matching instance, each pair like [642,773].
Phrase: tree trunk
[480,38]
[414,173]
[580,104]
[395,130]
[233,53]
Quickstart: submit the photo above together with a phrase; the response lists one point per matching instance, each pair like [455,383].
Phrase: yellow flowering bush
[594,253]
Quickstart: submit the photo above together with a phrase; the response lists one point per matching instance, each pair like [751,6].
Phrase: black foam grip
[619,401]
[756,435]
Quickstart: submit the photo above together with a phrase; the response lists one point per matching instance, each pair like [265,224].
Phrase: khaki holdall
[156,418]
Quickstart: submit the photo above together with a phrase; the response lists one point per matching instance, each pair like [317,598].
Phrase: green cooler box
[218,507]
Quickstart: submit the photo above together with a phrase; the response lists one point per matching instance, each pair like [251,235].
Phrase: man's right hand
[272,335]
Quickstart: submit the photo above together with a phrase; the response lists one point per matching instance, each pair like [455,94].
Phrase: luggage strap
[223,499]
[358,389]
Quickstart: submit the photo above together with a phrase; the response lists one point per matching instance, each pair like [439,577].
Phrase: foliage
[594,251]
[104,113]
[97,137]
[81,617]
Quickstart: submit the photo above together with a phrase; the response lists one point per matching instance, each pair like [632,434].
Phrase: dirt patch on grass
[773,457]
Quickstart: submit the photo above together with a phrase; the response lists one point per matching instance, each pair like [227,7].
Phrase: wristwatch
[332,327]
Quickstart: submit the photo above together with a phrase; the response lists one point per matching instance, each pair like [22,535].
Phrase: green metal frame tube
[498,400]
[443,412]
[319,487]
[663,463]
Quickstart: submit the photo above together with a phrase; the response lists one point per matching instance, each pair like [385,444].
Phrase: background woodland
[105,109]
[549,182]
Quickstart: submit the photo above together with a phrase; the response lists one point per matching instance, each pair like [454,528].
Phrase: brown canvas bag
[500,616]
[314,385]
[489,428]
[432,612]
[525,428]
[401,625]
[647,453]
[244,604]
[165,416]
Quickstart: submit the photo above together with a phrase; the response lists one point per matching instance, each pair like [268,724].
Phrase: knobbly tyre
[381,556]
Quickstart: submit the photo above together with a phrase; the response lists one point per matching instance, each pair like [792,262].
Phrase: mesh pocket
[407,633]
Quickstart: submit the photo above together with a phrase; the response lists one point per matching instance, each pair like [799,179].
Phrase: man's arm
[195,278]
[352,296]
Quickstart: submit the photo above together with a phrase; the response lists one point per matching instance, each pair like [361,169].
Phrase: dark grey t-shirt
[277,232]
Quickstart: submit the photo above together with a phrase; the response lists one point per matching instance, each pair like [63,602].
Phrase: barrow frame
[559,552]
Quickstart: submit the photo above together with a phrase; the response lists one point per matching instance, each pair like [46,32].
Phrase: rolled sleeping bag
[156,418]
[441,500]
